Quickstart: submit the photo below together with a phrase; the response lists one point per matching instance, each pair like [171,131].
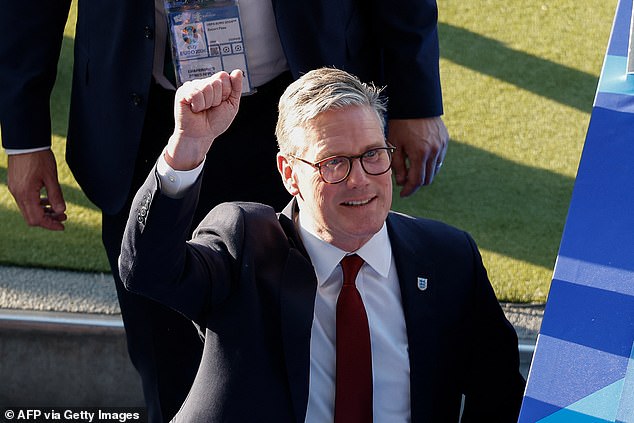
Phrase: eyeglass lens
[374,162]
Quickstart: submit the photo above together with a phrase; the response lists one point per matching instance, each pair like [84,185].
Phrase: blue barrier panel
[583,367]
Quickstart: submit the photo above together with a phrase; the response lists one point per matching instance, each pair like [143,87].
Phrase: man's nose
[357,174]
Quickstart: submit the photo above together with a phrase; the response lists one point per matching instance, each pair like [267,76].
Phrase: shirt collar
[377,252]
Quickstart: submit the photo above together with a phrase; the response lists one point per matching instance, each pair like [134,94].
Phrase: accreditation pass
[206,38]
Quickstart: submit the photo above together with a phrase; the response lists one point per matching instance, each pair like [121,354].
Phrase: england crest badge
[422,283]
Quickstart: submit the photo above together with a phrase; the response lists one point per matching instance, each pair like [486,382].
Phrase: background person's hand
[421,145]
[203,109]
[27,174]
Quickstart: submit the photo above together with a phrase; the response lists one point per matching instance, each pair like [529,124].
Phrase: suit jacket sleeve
[159,260]
[29,51]
[153,252]
[494,385]
[408,31]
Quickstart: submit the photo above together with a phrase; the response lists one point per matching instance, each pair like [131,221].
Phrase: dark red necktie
[353,398]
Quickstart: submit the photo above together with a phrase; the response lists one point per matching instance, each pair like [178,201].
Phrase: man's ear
[289,177]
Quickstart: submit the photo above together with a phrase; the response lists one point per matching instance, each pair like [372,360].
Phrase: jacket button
[136,99]
[148,33]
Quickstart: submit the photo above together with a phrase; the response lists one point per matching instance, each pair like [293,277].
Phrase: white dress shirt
[378,285]
[265,57]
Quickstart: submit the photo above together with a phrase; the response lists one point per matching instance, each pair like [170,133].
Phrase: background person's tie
[353,398]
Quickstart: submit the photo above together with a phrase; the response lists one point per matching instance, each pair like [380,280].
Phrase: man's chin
[362,230]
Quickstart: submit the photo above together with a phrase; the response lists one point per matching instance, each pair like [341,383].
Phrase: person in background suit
[266,288]
[121,116]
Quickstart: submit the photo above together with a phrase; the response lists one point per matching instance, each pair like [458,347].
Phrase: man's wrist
[175,183]
[183,159]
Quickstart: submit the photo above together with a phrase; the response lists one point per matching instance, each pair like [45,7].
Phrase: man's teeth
[356,203]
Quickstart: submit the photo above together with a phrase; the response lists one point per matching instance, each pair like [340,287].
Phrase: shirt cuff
[175,183]
[13,151]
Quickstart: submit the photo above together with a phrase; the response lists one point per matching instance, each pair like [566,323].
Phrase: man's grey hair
[316,92]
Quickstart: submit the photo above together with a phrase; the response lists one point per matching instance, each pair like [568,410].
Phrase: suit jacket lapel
[298,290]
[413,261]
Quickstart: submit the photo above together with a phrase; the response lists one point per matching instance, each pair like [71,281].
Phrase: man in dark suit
[282,340]
[121,117]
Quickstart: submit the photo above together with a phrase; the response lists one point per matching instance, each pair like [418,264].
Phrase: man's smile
[356,203]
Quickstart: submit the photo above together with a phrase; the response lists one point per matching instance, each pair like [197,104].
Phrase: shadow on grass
[548,79]
[511,209]
[78,247]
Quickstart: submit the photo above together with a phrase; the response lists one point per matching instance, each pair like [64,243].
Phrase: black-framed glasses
[335,169]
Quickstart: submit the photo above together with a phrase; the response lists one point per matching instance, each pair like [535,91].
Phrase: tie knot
[350,266]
